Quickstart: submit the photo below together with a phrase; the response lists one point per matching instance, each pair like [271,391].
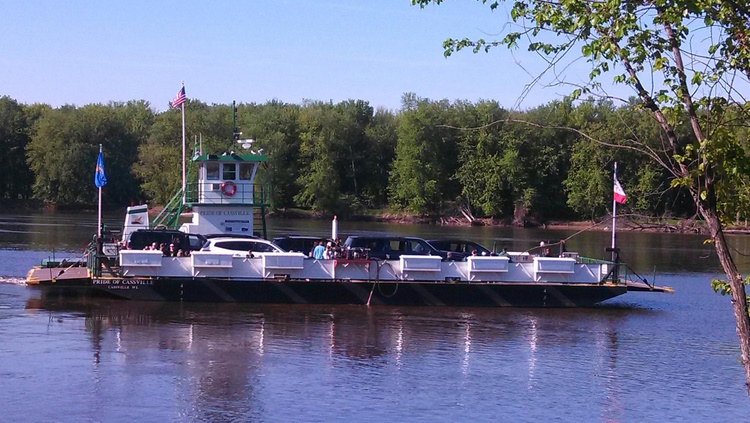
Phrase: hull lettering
[122,282]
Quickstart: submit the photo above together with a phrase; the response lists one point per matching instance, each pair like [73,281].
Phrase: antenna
[235,134]
[246,143]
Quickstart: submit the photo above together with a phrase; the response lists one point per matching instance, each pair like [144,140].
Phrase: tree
[275,128]
[159,156]
[62,154]
[588,182]
[16,177]
[382,136]
[121,153]
[337,156]
[687,61]
[426,157]
[354,160]
[483,171]
[320,150]
[158,165]
[545,149]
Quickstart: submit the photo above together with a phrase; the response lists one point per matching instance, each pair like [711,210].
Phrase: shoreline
[624,223]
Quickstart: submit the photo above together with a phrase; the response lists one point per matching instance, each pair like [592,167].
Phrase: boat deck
[644,287]
[295,278]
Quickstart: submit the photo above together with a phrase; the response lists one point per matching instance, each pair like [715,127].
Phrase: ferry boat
[227,200]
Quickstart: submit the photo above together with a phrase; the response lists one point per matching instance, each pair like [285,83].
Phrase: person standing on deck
[328,253]
[318,251]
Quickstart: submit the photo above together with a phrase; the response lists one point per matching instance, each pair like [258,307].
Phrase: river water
[638,357]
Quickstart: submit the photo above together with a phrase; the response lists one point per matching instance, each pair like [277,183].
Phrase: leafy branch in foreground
[688,61]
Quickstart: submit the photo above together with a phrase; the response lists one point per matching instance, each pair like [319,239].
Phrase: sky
[82,52]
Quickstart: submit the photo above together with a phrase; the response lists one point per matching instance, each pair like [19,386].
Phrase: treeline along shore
[432,160]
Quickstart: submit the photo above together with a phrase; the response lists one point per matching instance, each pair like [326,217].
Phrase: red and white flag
[620,196]
[179,98]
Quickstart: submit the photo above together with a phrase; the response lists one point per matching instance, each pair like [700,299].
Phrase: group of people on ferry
[168,250]
[328,251]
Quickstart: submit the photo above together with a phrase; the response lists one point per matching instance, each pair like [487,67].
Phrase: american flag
[180,98]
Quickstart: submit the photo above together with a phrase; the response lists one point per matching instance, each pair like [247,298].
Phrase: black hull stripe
[363,295]
[428,298]
[494,296]
[560,297]
[345,292]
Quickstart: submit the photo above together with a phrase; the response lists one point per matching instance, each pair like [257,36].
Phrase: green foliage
[698,110]
[722,287]
[15,127]
[318,177]
[545,150]
[486,167]
[688,61]
[382,134]
[275,127]
[158,166]
[345,158]
[62,154]
[588,184]
[425,156]
[337,157]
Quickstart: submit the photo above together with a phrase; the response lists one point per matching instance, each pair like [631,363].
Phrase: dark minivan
[460,247]
[299,243]
[391,248]
[139,239]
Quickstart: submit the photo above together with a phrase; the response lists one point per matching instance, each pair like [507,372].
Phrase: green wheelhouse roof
[231,158]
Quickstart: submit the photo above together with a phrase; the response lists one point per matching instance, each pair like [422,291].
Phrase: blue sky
[81,52]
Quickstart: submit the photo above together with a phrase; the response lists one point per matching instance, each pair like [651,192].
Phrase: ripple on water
[671,358]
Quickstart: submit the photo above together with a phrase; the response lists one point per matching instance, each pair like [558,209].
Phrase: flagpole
[183,148]
[614,215]
[99,213]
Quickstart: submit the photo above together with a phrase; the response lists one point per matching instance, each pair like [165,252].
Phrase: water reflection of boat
[208,329]
[226,200]
[227,361]
[349,331]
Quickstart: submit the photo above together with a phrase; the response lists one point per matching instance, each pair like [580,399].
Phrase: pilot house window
[212,171]
[229,172]
[246,171]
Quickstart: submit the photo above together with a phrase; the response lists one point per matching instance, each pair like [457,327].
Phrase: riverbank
[637,223]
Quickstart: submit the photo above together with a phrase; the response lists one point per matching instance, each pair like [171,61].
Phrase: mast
[99,186]
[614,219]
[183,147]
[235,133]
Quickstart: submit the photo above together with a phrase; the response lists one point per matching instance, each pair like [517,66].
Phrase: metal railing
[169,215]
[217,192]
[198,193]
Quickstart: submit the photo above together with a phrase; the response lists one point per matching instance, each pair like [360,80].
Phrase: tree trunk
[739,299]
[519,214]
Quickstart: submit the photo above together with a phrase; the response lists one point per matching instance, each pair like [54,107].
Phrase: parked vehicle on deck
[240,246]
[391,248]
[460,247]
[141,238]
[298,243]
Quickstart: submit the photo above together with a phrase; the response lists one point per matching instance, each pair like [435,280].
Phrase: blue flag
[99,179]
